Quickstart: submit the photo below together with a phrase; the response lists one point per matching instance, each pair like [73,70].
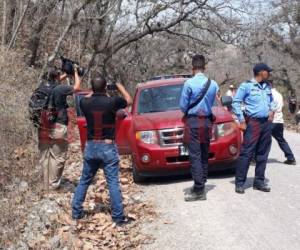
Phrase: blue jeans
[95,156]
[257,141]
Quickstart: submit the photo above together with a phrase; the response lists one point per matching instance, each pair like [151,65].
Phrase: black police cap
[261,67]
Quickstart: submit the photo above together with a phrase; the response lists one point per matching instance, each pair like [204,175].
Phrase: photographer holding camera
[53,144]
[100,112]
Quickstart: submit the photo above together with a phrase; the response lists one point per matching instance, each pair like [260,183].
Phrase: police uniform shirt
[257,98]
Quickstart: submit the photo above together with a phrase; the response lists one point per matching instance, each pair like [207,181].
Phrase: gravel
[228,220]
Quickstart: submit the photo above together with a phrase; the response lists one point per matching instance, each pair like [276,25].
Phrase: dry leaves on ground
[97,231]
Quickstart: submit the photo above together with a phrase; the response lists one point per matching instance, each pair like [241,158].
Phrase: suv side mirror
[226,101]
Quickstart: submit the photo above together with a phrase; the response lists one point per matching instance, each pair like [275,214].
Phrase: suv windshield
[159,99]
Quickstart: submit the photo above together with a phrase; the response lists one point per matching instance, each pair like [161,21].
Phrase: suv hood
[171,119]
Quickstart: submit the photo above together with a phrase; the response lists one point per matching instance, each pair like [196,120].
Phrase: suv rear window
[159,99]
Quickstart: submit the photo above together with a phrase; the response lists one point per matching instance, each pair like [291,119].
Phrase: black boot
[195,195]
[290,162]
[263,188]
[239,190]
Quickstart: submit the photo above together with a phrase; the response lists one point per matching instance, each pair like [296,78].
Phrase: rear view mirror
[226,101]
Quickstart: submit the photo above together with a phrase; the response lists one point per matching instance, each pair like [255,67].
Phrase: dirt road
[228,220]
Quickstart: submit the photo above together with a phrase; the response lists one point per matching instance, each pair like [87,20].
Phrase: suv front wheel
[137,178]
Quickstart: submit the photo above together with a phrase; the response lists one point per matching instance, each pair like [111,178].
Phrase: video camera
[68,66]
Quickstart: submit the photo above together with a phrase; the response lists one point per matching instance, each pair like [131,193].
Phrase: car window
[160,99]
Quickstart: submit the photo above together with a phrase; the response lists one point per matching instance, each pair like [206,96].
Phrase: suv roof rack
[155,78]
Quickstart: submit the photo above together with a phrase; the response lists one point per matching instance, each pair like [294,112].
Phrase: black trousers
[277,133]
[257,141]
[197,139]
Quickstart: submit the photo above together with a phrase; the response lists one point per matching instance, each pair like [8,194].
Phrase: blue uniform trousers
[197,139]
[257,141]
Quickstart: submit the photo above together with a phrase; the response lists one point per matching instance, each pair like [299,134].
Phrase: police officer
[255,121]
[198,124]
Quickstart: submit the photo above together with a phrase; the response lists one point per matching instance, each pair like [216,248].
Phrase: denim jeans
[97,155]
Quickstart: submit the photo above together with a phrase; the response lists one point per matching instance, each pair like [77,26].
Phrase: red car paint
[165,159]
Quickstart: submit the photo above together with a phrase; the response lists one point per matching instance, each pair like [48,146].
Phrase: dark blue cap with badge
[261,67]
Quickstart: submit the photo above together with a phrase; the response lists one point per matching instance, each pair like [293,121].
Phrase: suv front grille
[171,137]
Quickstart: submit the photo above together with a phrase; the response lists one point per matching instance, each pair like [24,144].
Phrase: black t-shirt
[60,94]
[100,113]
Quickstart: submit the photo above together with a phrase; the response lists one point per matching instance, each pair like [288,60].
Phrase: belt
[200,116]
[260,119]
[106,141]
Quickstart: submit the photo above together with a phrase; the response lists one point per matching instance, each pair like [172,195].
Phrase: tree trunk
[35,37]
[4,22]
[10,20]
[14,36]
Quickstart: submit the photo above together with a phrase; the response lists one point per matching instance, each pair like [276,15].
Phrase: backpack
[42,100]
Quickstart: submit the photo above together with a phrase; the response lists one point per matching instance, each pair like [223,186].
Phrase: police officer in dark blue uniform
[255,121]
[197,98]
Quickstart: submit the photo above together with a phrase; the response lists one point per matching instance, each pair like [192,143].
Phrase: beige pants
[53,155]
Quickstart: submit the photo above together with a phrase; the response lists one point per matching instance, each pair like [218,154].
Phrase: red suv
[152,132]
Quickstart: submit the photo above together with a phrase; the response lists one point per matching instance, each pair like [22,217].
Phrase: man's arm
[63,77]
[77,80]
[274,106]
[237,102]
[185,98]
[125,94]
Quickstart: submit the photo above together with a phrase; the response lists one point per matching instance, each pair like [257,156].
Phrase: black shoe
[239,190]
[195,195]
[82,216]
[290,162]
[263,188]
[125,221]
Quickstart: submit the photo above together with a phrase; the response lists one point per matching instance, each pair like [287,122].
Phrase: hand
[271,116]
[63,77]
[243,126]
[89,95]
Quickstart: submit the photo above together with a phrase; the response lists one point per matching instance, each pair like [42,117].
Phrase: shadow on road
[208,188]
[166,180]
[273,160]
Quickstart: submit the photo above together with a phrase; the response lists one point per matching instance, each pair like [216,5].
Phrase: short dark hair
[98,83]
[198,62]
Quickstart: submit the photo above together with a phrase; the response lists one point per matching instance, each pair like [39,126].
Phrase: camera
[68,66]
[112,87]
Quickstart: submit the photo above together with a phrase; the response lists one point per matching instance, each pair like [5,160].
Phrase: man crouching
[101,151]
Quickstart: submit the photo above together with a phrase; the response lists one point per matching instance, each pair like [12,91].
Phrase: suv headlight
[225,129]
[147,137]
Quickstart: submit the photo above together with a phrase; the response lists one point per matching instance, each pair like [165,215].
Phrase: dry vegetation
[16,149]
